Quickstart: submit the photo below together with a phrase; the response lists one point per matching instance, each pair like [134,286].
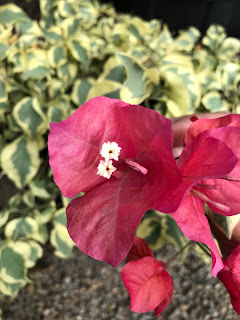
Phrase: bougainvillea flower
[230,277]
[181,125]
[120,155]
[209,163]
[149,284]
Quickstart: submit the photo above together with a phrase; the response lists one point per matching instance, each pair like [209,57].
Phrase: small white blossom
[110,150]
[105,169]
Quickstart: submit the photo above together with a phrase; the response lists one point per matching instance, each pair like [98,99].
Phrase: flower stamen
[203,197]
[106,168]
[134,165]
[110,150]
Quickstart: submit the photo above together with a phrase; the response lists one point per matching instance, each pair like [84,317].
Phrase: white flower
[105,169]
[110,150]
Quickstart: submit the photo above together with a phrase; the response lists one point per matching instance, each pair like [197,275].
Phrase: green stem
[203,248]
[176,254]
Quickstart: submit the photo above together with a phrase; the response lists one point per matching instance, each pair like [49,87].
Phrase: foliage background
[80,49]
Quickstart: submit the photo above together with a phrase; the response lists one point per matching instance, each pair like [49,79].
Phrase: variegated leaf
[29,116]
[213,101]
[81,90]
[21,228]
[59,237]
[134,90]
[152,231]
[80,51]
[20,160]
[57,56]
[11,13]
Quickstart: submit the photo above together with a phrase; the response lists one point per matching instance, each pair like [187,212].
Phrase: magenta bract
[209,163]
[149,284]
[102,223]
[230,277]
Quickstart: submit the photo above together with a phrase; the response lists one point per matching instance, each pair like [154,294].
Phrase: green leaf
[214,37]
[21,228]
[135,87]
[12,266]
[213,102]
[65,9]
[3,92]
[113,71]
[57,56]
[29,199]
[11,13]
[4,214]
[29,116]
[80,91]
[60,217]
[11,289]
[35,70]
[47,214]
[152,231]
[79,50]
[230,76]
[35,253]
[20,160]
[173,233]
[3,51]
[67,71]
[61,241]
[39,189]
[104,88]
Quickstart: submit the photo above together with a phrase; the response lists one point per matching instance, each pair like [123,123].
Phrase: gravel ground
[81,288]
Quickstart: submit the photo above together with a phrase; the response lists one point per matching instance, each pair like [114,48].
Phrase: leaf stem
[203,248]
[177,253]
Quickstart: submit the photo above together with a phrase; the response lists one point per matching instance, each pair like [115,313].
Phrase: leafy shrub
[78,50]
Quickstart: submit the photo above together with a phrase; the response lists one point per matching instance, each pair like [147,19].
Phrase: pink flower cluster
[121,156]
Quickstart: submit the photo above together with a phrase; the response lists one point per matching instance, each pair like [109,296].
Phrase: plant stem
[176,254]
[203,249]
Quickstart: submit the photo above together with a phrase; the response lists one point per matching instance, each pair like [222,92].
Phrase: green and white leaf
[12,267]
[67,71]
[39,189]
[59,237]
[36,252]
[3,92]
[105,88]
[21,228]
[11,13]
[29,116]
[57,56]
[134,90]
[80,51]
[213,102]
[152,230]
[20,160]
[4,214]
[46,215]
[81,90]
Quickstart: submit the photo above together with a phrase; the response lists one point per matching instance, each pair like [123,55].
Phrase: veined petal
[102,223]
[228,191]
[232,288]
[191,219]
[231,120]
[206,157]
[140,249]
[148,283]
[75,143]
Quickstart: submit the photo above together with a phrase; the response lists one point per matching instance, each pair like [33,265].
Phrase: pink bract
[149,284]
[207,159]
[230,277]
[102,223]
